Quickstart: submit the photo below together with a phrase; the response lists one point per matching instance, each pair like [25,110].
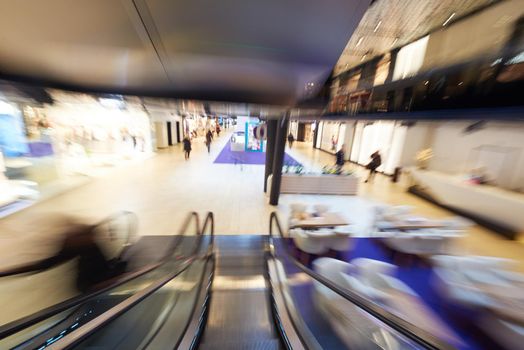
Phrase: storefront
[362,138]
[45,148]
[331,136]
[387,137]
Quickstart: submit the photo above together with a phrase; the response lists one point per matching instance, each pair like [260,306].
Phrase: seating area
[487,288]
[319,231]
[409,234]
[376,281]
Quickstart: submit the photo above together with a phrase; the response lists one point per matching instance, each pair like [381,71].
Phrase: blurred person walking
[187,147]
[77,240]
[209,138]
[376,161]
[290,139]
[339,158]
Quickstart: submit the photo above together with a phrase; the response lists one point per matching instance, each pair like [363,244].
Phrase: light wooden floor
[162,190]
[479,240]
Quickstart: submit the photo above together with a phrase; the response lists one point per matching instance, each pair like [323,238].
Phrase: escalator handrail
[28,321]
[95,324]
[398,324]
[92,326]
[47,263]
[209,220]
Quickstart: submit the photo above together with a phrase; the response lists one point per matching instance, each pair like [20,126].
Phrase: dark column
[278,159]
[315,134]
[270,148]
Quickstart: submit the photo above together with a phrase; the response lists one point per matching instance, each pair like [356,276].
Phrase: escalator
[151,259]
[240,287]
[227,292]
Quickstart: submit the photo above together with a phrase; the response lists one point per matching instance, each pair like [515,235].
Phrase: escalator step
[269,344]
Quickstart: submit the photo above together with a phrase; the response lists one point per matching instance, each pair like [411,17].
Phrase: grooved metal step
[239,314]
[271,344]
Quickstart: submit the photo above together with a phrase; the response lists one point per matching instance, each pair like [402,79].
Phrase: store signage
[260,132]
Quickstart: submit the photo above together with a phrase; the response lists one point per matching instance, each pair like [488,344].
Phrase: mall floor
[162,190]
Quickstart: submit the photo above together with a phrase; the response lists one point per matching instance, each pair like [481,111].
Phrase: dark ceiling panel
[261,51]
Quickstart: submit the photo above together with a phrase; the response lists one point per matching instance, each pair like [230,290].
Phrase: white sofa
[355,327]
[485,284]
[375,280]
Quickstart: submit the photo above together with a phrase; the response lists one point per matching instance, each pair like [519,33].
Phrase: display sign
[252,143]
[260,132]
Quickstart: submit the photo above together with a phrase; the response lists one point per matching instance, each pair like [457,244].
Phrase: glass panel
[52,329]
[165,312]
[335,322]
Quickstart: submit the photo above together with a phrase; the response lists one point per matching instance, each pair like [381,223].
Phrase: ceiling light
[394,42]
[449,19]
[377,26]
[426,82]
[460,83]
[359,41]
[363,58]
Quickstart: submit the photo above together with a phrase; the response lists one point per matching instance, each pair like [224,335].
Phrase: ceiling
[392,23]
[273,51]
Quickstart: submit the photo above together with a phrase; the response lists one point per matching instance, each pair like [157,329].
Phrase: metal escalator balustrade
[140,320]
[50,320]
[327,316]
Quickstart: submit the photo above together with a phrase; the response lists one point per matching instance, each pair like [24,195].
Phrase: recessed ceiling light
[449,19]
[359,41]
[377,26]
[394,42]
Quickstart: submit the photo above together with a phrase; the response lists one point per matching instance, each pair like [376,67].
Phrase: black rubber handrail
[304,336]
[209,220]
[94,325]
[27,321]
[74,338]
[407,329]
[47,263]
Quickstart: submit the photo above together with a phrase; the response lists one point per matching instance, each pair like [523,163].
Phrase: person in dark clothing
[187,147]
[78,241]
[218,130]
[339,162]
[290,139]
[376,161]
[209,137]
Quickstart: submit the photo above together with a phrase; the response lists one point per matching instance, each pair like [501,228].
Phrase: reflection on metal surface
[237,282]
[298,279]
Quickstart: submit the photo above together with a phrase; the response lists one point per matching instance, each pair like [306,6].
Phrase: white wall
[418,137]
[161,134]
[456,152]
[164,117]
[348,138]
